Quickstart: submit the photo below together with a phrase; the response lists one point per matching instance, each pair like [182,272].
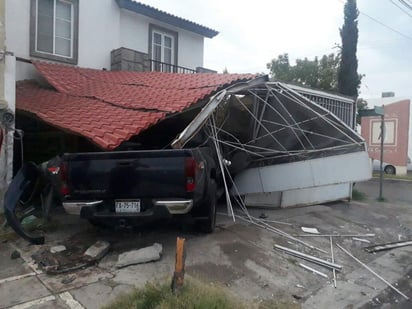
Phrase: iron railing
[159,66]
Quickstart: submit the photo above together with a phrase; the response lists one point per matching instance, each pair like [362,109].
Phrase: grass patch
[194,295]
[358,195]
[389,176]
[381,199]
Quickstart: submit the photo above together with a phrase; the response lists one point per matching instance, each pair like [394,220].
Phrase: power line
[402,9]
[386,26]
[382,24]
[406,4]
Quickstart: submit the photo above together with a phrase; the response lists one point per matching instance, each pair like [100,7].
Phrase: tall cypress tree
[348,77]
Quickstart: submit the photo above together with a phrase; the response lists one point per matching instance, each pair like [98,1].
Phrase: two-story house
[99,34]
[103,34]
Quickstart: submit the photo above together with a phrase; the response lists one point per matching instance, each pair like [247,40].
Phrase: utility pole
[381,167]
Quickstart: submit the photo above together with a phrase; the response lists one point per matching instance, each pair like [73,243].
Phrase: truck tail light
[64,188]
[190,173]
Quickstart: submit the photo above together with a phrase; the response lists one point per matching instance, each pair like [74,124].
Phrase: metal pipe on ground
[309,258]
[373,272]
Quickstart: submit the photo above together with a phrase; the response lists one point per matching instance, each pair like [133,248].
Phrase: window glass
[54,27]
[157,38]
[168,42]
[45,26]
[63,47]
[167,55]
[157,53]
[45,7]
[63,29]
[63,10]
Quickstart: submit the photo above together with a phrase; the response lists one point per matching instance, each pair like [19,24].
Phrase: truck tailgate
[131,174]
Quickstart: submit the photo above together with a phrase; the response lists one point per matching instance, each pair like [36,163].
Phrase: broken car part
[313,270]
[309,258]
[19,193]
[388,246]
[372,271]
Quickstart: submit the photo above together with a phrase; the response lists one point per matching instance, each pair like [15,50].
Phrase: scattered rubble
[310,230]
[75,254]
[361,239]
[143,255]
[97,250]
[373,272]
[56,249]
[15,255]
[309,258]
[388,246]
[313,270]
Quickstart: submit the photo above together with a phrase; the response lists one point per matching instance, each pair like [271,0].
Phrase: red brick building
[396,133]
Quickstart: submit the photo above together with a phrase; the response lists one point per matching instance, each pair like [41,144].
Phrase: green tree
[319,74]
[348,78]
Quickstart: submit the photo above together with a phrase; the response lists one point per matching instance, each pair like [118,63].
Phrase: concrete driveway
[238,255]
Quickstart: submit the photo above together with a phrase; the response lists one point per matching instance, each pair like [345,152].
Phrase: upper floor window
[163,45]
[54,29]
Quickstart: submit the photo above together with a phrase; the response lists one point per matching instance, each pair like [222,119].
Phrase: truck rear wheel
[208,225]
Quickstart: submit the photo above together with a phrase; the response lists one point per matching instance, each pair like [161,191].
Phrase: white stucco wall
[134,31]
[134,34]
[99,26]
[103,26]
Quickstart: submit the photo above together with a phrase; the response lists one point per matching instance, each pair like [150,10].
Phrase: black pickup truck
[123,187]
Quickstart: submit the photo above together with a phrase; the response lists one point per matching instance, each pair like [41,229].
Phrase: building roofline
[165,17]
[326,94]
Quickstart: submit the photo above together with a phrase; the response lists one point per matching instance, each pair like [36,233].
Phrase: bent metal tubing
[27,175]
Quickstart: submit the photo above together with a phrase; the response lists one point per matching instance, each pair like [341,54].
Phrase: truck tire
[208,225]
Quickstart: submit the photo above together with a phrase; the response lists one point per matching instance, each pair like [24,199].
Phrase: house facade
[102,34]
[97,34]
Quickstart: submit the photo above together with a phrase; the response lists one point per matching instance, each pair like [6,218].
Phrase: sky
[252,33]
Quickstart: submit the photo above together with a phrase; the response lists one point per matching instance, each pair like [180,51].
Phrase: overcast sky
[251,33]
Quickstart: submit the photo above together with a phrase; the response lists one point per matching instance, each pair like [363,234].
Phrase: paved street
[238,255]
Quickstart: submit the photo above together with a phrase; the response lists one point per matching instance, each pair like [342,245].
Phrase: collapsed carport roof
[109,107]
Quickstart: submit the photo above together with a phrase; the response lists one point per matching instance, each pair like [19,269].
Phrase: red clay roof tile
[110,107]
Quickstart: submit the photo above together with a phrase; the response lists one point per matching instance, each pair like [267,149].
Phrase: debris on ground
[73,258]
[68,279]
[373,272]
[388,246]
[15,255]
[313,270]
[263,216]
[98,250]
[143,255]
[361,240]
[309,258]
[310,230]
[56,249]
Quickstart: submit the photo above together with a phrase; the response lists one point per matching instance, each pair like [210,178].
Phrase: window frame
[74,31]
[175,43]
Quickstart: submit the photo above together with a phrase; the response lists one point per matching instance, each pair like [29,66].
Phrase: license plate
[127,206]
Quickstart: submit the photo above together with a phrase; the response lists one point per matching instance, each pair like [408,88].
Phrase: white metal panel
[315,195]
[272,199]
[345,168]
